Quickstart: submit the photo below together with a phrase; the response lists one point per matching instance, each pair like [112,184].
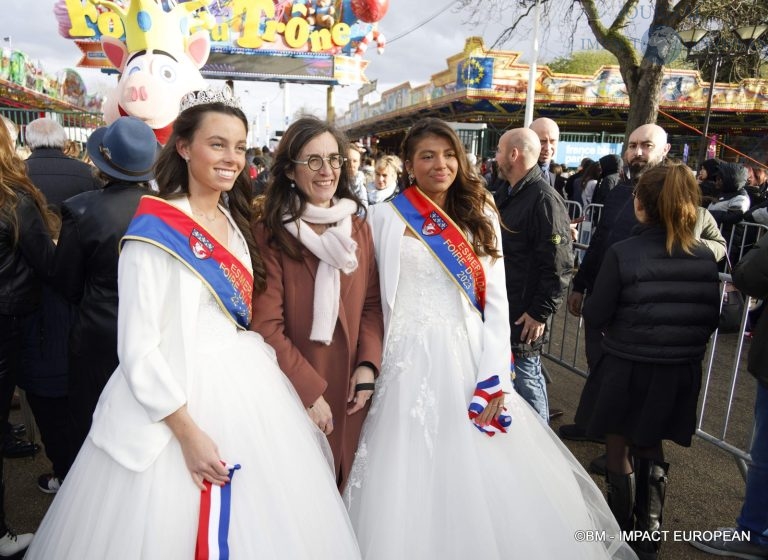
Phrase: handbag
[731,309]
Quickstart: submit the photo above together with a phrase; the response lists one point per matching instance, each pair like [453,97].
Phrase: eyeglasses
[315,163]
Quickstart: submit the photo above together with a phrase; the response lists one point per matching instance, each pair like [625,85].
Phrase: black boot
[621,498]
[649,504]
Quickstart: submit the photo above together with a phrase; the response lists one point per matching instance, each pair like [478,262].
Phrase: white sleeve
[739,203]
[144,278]
[497,352]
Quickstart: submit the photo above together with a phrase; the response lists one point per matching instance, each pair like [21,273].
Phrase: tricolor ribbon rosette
[486,391]
[213,525]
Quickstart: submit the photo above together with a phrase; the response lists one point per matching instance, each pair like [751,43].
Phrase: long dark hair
[281,198]
[14,183]
[670,197]
[467,200]
[172,178]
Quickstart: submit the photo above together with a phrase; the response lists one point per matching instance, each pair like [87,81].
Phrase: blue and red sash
[165,226]
[213,524]
[446,242]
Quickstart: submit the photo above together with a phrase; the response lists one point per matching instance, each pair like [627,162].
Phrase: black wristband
[365,387]
[370,365]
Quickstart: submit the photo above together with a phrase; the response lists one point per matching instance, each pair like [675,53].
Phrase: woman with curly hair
[428,481]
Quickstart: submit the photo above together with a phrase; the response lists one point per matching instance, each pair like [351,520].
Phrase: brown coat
[283,316]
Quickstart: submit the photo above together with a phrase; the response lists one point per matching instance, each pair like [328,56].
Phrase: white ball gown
[285,503]
[427,484]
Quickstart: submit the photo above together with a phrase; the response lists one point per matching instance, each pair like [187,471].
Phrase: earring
[186,159]
[293,185]
[410,178]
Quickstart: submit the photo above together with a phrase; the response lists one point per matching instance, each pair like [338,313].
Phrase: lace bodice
[426,296]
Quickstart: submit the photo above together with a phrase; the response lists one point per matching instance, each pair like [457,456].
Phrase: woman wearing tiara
[428,480]
[200,447]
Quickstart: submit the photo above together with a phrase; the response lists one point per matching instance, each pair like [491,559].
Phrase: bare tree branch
[506,35]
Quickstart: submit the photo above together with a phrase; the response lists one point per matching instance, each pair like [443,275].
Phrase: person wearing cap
[85,269]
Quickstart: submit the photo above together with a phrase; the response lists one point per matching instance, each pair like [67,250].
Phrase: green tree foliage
[582,62]
[588,62]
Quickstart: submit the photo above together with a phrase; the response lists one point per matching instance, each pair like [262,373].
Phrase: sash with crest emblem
[445,241]
[165,226]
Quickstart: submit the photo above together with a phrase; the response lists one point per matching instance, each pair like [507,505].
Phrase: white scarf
[375,196]
[336,250]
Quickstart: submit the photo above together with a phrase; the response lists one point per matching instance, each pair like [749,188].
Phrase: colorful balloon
[370,11]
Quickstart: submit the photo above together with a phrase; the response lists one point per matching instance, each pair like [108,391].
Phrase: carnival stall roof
[20,97]
[490,86]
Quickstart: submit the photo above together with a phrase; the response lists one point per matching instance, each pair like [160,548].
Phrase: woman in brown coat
[321,310]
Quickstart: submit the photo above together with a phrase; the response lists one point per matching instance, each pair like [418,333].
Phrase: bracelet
[365,387]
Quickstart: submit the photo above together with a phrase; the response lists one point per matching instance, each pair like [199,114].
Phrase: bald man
[647,147]
[548,134]
[537,254]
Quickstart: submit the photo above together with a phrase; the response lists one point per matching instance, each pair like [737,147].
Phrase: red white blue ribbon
[213,526]
[486,391]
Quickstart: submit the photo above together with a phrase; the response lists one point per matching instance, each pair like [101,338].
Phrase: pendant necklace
[206,216]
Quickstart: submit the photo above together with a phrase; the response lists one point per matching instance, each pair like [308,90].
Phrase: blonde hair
[390,161]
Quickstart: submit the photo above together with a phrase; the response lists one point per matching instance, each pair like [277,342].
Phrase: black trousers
[51,415]
[10,365]
[88,375]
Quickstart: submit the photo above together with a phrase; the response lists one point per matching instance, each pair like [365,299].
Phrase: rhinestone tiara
[209,95]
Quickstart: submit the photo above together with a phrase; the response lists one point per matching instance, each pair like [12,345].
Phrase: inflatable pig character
[158,62]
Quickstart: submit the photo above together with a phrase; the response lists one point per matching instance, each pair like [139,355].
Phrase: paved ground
[705,486]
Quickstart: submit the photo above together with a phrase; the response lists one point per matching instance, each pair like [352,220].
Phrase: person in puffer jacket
[732,198]
[657,301]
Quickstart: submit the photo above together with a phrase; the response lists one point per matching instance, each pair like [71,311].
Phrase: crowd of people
[316,353]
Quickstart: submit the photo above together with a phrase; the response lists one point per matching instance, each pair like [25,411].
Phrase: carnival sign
[279,40]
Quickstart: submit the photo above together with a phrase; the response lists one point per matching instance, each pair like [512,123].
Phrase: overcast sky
[33,28]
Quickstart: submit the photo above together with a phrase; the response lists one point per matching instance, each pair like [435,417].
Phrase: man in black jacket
[549,135]
[537,255]
[647,147]
[46,331]
[57,175]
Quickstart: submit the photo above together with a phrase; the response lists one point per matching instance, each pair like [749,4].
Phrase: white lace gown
[427,484]
[284,498]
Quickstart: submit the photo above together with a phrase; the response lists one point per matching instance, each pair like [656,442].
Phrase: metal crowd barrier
[573,208]
[725,418]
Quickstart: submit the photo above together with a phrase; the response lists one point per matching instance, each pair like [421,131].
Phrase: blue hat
[124,150]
